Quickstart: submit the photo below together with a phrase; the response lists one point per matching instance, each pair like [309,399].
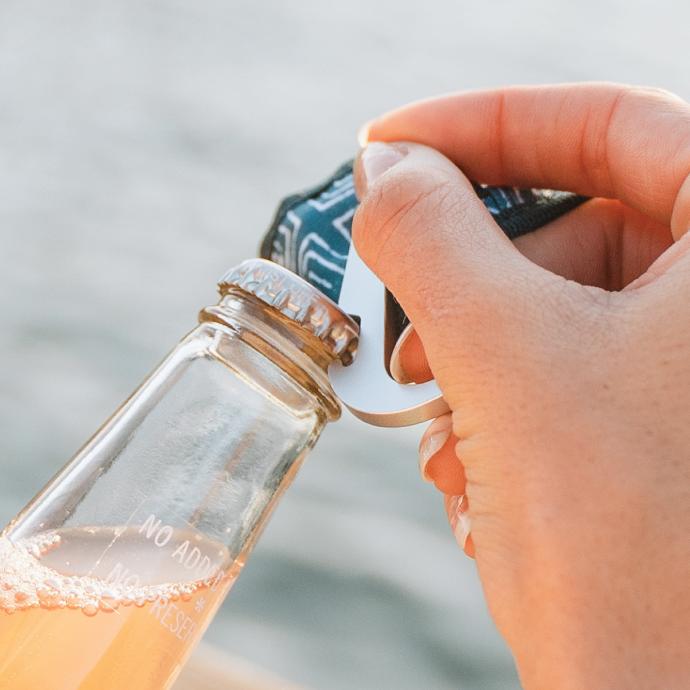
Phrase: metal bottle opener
[310,235]
[365,387]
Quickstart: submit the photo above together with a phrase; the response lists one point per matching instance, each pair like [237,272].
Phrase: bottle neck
[291,347]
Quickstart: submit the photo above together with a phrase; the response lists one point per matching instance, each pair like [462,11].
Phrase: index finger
[608,140]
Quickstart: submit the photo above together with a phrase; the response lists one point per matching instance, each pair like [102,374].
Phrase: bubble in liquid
[73,599]
[26,582]
[90,608]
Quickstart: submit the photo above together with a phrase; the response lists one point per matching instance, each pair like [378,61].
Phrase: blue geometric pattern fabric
[310,233]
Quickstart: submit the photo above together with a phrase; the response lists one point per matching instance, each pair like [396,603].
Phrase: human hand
[566,364]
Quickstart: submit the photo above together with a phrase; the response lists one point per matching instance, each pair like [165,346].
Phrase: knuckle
[600,134]
[396,208]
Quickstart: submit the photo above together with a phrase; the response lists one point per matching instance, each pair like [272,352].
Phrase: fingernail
[433,440]
[395,366]
[459,519]
[363,134]
[374,160]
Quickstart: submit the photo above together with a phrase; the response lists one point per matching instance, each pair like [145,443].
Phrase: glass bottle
[111,574]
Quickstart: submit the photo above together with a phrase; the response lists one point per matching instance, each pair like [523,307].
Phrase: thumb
[423,230]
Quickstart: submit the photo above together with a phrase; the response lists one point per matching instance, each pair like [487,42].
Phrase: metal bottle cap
[299,301]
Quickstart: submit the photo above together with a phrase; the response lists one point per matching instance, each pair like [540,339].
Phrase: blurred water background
[143,147]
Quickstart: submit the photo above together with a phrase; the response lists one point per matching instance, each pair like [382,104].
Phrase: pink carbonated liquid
[106,608]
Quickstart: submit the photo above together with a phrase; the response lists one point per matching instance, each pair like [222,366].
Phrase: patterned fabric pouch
[310,232]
